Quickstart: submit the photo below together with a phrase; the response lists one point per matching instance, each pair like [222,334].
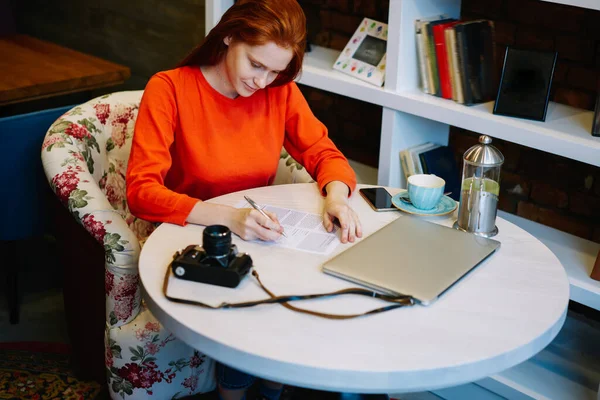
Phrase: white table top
[502,313]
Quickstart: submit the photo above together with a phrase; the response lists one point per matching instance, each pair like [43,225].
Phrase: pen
[257,208]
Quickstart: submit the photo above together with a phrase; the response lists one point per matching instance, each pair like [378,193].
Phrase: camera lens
[216,240]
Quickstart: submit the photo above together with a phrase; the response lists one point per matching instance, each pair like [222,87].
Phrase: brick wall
[543,187]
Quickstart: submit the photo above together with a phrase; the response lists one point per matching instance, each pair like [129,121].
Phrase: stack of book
[456,59]
[432,158]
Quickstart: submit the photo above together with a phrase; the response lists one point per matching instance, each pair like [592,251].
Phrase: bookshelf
[411,117]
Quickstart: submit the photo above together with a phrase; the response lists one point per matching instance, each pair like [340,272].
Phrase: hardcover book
[440,161]
[437,90]
[477,61]
[596,121]
[525,83]
[439,38]
[422,52]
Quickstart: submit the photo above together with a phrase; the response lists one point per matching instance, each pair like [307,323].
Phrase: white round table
[502,313]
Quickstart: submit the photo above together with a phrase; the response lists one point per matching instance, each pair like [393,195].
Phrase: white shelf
[529,380]
[577,256]
[318,72]
[591,4]
[566,131]
[567,369]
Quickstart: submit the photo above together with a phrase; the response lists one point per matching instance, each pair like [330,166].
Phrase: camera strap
[397,301]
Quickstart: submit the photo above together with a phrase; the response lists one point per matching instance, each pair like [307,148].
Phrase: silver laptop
[410,256]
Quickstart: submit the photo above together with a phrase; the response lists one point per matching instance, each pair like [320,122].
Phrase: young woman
[216,124]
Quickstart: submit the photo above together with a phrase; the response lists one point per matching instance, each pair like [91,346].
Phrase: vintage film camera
[217,262]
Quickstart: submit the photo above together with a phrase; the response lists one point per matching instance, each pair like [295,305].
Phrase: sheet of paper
[305,231]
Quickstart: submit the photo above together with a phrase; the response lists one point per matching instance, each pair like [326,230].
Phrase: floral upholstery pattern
[85,154]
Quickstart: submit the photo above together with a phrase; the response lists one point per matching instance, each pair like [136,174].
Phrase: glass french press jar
[480,188]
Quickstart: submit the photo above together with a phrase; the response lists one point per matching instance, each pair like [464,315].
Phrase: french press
[480,188]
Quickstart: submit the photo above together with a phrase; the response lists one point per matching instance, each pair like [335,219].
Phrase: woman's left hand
[337,207]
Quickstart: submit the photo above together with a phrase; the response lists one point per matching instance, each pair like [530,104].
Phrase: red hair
[256,22]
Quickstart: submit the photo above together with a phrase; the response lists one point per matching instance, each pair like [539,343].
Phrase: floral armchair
[85,154]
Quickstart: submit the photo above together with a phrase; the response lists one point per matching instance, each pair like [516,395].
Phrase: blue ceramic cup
[425,191]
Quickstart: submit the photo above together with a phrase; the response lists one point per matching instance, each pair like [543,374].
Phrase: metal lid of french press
[484,154]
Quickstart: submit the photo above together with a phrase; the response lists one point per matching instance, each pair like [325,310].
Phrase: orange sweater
[193,143]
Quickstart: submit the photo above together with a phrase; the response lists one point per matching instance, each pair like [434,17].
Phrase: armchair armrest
[67,156]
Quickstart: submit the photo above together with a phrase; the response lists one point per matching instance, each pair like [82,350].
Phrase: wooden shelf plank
[577,256]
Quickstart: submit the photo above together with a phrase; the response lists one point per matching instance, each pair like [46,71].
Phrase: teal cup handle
[425,191]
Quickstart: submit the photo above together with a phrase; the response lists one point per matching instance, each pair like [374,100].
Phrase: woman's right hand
[249,224]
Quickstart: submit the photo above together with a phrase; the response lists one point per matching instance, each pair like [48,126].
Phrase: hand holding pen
[257,208]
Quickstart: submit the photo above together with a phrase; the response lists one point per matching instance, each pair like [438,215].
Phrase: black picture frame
[524,89]
[596,120]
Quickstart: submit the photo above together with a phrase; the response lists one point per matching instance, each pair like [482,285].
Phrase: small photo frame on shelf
[364,55]
[525,83]
[596,120]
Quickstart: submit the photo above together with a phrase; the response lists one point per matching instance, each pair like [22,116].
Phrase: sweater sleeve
[150,158]
[307,141]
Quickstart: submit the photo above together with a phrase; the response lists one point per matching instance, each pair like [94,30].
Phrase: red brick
[366,8]
[548,217]
[584,204]
[533,163]
[326,18]
[500,51]
[524,12]
[508,203]
[485,9]
[548,195]
[462,140]
[505,32]
[359,112]
[331,122]
[339,5]
[596,235]
[323,39]
[560,73]
[581,77]
[353,132]
[320,100]
[596,183]
[515,185]
[384,10]
[562,17]
[338,41]
[560,172]
[575,48]
[533,38]
[511,153]
[574,98]
[591,23]
[344,23]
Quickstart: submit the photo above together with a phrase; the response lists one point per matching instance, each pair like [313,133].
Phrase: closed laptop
[413,257]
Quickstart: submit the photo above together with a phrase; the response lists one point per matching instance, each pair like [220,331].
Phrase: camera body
[216,263]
